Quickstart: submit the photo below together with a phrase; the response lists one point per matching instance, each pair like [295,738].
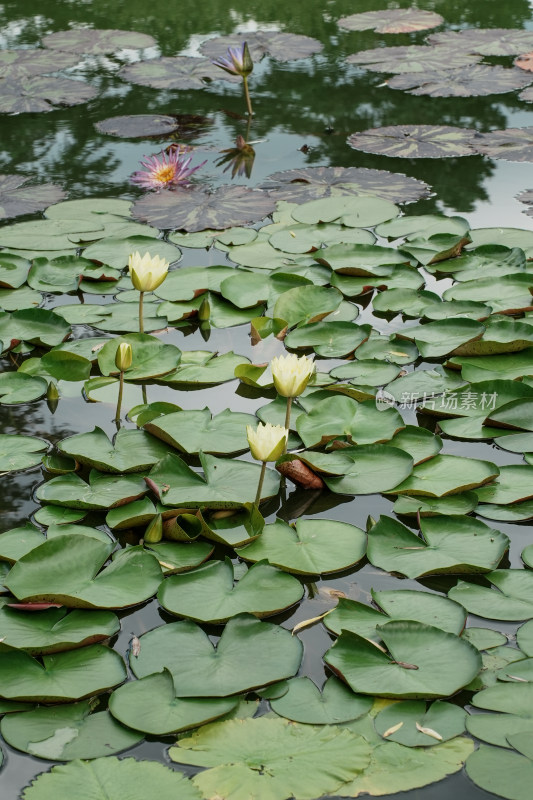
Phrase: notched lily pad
[97,41]
[416,141]
[279,45]
[174,72]
[195,209]
[392,20]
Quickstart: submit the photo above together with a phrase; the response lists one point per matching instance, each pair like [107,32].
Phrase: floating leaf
[299,760]
[302,185]
[58,572]
[470,81]
[194,431]
[393,20]
[445,475]
[512,144]
[55,630]
[249,654]
[67,732]
[499,771]
[177,72]
[511,599]
[412,58]
[416,141]
[43,93]
[209,593]
[97,41]
[20,452]
[309,547]
[17,387]
[135,779]
[424,662]
[486,41]
[195,209]
[17,199]
[102,491]
[133,126]
[131,451]
[150,705]
[303,702]
[150,357]
[421,726]
[361,423]
[278,45]
[33,325]
[61,677]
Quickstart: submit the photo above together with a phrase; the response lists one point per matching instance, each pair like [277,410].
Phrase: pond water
[304,110]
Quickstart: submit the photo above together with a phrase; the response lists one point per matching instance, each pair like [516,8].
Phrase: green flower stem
[288,419]
[141,323]
[260,484]
[120,393]
[247,95]
[145,396]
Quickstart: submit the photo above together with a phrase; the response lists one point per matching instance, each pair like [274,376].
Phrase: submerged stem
[288,420]
[260,484]
[247,95]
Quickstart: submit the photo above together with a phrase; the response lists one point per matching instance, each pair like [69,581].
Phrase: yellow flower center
[164,174]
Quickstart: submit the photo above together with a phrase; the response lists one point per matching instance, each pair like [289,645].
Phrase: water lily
[146,273]
[267,443]
[291,375]
[168,168]
[238,61]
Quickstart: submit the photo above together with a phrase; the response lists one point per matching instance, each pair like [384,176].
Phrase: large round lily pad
[20,452]
[67,732]
[102,491]
[280,45]
[211,594]
[416,141]
[311,183]
[17,199]
[40,93]
[272,758]
[413,724]
[192,431]
[195,209]
[97,41]
[308,547]
[55,630]
[392,20]
[150,705]
[303,702]
[124,777]
[58,572]
[131,451]
[412,58]
[470,81]
[422,662]
[249,654]
[174,72]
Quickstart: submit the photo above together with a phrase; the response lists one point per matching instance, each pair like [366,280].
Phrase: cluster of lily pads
[191,532]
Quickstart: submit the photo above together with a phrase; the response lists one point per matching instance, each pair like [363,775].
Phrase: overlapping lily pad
[470,81]
[102,491]
[279,45]
[512,144]
[413,724]
[511,599]
[40,93]
[194,431]
[412,58]
[97,41]
[55,630]
[392,20]
[485,41]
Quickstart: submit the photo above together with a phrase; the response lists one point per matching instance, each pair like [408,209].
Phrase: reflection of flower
[237,61]
[291,374]
[167,169]
[267,442]
[240,158]
[148,272]
[123,356]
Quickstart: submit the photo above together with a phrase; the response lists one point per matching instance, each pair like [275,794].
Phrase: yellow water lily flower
[267,442]
[291,374]
[148,272]
[123,356]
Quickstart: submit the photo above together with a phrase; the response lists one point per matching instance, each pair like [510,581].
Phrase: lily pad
[470,81]
[194,431]
[97,41]
[309,547]
[449,545]
[173,72]
[18,63]
[250,654]
[131,451]
[412,58]
[128,777]
[17,387]
[279,45]
[311,183]
[209,594]
[512,144]
[61,677]
[446,475]
[40,93]
[102,491]
[512,485]
[150,357]
[115,250]
[34,326]
[511,599]
[393,20]
[55,630]
[67,732]
[499,771]
[150,705]
[422,662]
[416,141]
[361,423]
[298,760]
[133,126]
[511,704]
[20,452]
[486,41]
[303,702]
[58,572]
[17,198]
[415,725]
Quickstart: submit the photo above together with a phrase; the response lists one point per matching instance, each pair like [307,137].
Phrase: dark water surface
[317,103]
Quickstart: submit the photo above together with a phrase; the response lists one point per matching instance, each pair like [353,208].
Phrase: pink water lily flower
[237,61]
[165,170]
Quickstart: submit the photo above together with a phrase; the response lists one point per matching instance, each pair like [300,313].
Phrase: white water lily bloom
[267,442]
[148,272]
[123,356]
[291,374]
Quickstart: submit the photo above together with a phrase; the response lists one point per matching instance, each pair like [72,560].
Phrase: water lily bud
[204,312]
[123,357]
[291,374]
[237,61]
[154,531]
[148,272]
[267,442]
[52,396]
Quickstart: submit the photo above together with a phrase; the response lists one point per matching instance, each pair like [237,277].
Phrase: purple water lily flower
[237,61]
[165,170]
